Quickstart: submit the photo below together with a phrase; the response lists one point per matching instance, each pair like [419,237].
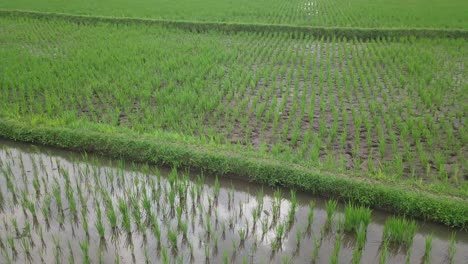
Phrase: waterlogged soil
[235,224]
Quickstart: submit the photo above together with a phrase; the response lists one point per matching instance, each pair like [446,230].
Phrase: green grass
[331,13]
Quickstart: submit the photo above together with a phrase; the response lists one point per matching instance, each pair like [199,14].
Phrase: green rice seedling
[384,252]
[225,257]
[11,245]
[111,217]
[357,255]
[242,236]
[245,259]
[45,209]
[58,198]
[36,185]
[172,237]
[138,217]
[71,257]
[26,230]
[316,249]
[298,238]
[361,238]
[260,199]
[337,248]
[264,226]
[340,224]
[85,251]
[255,216]
[241,212]
[428,249]
[207,253]
[26,248]
[292,210]
[408,257]
[287,259]
[146,204]
[57,248]
[215,245]
[278,238]
[234,250]
[330,206]
[208,227]
[310,215]
[71,202]
[356,218]
[184,229]
[2,201]
[276,205]
[400,231]
[171,197]
[210,204]
[84,223]
[216,188]
[2,245]
[126,222]
[452,248]
[156,229]
[14,223]
[6,256]
[99,225]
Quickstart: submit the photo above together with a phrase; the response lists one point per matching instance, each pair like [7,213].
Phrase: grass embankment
[396,199]
[320,13]
[363,33]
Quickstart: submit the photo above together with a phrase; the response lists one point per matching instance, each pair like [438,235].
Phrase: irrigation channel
[64,207]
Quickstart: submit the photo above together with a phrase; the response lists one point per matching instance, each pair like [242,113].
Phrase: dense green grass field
[392,109]
[329,13]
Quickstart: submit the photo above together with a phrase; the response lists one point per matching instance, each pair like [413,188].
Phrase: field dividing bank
[396,199]
[364,33]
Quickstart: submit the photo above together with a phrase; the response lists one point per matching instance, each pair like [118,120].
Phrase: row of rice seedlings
[356,218]
[400,231]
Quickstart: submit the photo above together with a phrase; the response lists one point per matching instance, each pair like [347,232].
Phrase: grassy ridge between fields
[195,26]
[449,211]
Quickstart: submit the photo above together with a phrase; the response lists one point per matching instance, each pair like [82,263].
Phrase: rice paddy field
[392,108]
[233,131]
[449,14]
[63,207]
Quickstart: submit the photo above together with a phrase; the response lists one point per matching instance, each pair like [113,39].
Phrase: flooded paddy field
[61,207]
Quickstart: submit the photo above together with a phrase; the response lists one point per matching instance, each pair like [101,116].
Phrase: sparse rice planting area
[391,109]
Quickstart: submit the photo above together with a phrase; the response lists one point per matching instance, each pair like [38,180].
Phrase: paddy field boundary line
[227,27]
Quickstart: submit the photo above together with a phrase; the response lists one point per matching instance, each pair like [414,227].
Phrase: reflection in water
[56,205]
